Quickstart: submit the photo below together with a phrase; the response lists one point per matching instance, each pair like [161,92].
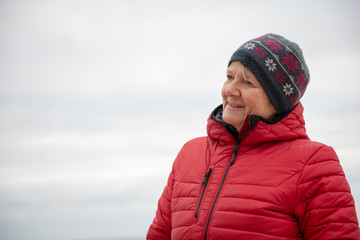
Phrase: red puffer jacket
[274,183]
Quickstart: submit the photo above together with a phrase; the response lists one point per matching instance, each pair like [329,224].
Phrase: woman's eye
[229,77]
[248,83]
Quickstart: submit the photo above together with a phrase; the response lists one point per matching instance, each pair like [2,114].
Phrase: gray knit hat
[279,66]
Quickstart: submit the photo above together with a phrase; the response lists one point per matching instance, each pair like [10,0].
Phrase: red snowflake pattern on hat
[279,76]
[301,80]
[290,62]
[294,99]
[273,45]
[260,52]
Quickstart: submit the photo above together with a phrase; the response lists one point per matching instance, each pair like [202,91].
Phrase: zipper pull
[204,183]
[207,175]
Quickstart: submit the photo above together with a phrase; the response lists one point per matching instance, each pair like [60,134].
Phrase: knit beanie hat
[279,66]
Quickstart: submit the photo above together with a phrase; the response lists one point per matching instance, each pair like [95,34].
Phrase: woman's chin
[236,122]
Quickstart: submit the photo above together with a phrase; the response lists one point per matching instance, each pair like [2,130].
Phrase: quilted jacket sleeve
[161,226]
[324,204]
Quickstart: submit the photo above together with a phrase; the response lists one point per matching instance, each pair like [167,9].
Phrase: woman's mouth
[236,106]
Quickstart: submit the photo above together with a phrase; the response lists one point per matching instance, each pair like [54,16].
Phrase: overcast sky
[97,98]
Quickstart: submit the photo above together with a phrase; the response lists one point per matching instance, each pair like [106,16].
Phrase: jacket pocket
[204,184]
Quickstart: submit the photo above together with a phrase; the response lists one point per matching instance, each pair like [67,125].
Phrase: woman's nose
[233,89]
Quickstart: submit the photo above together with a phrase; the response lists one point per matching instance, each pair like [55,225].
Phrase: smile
[236,106]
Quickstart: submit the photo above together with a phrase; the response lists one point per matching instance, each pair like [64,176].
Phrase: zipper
[204,183]
[235,151]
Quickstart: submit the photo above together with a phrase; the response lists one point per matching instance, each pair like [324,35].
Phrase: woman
[257,175]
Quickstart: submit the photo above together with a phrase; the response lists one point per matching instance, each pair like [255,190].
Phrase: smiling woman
[257,175]
[243,95]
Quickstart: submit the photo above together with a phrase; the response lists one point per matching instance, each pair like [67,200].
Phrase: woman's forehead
[237,66]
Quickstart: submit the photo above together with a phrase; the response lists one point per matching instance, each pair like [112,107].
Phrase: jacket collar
[259,130]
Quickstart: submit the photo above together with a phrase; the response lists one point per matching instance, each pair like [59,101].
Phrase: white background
[97,98]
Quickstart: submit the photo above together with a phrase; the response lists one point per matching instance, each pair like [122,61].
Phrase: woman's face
[243,95]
